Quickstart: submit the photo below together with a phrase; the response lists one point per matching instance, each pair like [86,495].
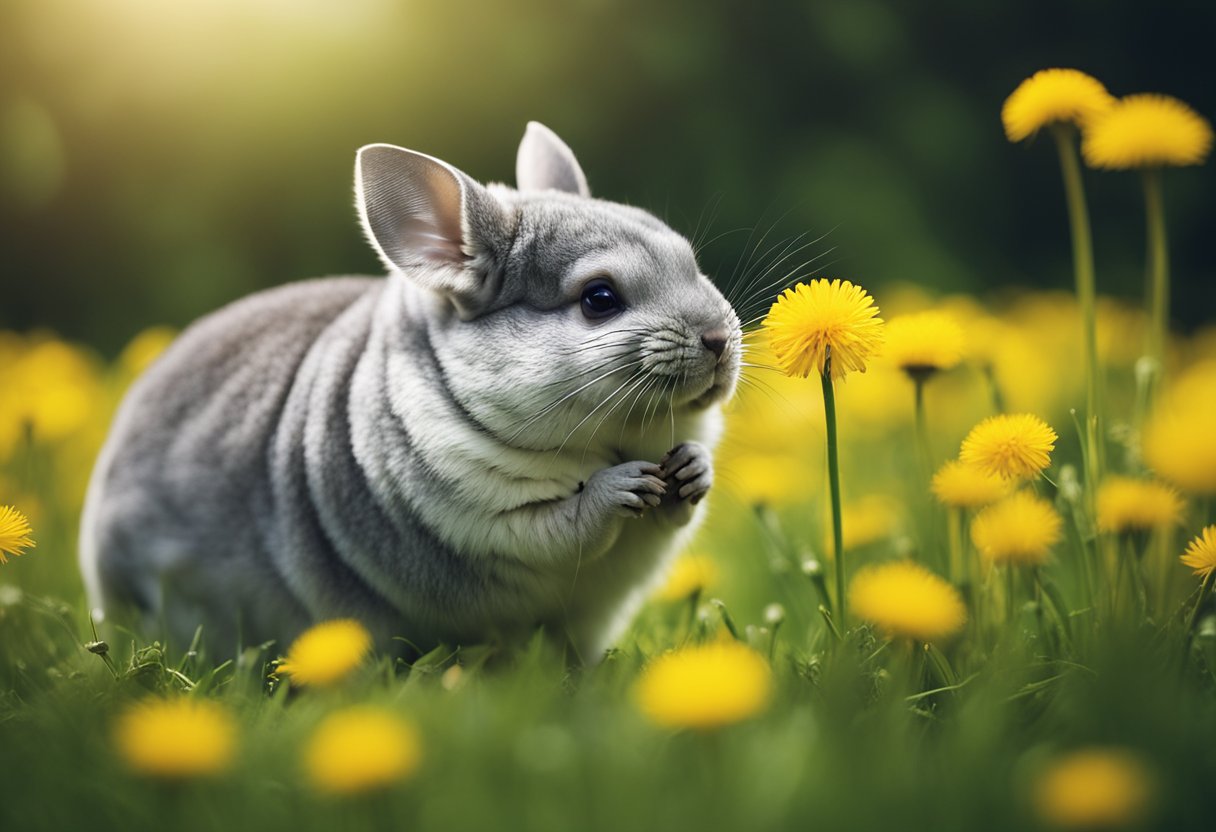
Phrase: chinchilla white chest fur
[511,430]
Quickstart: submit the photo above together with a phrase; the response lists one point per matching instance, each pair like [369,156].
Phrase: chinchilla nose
[714,340]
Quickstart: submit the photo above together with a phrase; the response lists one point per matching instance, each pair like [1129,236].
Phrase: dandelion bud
[1070,486]
[774,615]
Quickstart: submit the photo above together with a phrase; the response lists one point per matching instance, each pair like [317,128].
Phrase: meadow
[1009,491]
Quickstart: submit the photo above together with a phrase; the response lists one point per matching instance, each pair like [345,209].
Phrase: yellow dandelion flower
[54,388]
[145,348]
[963,485]
[705,686]
[1142,131]
[1179,443]
[810,320]
[327,652]
[922,343]
[176,738]
[906,600]
[1201,554]
[1097,788]
[361,749]
[767,479]
[1129,505]
[14,533]
[870,519]
[690,575]
[1020,529]
[1051,96]
[1013,446]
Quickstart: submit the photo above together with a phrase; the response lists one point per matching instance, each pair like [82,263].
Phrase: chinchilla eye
[600,300]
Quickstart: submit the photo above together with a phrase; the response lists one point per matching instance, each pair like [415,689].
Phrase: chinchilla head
[550,310]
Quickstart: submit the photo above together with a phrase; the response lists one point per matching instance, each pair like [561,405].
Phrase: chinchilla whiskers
[671,411]
[744,296]
[712,206]
[745,365]
[583,372]
[777,286]
[595,341]
[750,248]
[638,382]
[567,397]
[546,408]
[586,418]
[773,394]
[768,263]
[637,394]
[652,408]
[550,407]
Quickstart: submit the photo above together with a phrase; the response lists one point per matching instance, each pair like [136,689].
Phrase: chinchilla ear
[545,162]
[431,221]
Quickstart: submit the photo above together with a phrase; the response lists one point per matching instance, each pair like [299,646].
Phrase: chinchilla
[512,430]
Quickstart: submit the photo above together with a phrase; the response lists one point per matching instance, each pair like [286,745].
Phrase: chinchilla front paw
[688,471]
[629,488]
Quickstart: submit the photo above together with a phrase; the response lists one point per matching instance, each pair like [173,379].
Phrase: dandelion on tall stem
[828,327]
[922,345]
[1148,133]
[1063,100]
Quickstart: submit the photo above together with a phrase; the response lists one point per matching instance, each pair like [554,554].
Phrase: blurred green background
[159,159]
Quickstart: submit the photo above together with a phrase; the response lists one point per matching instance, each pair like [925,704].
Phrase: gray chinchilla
[512,430]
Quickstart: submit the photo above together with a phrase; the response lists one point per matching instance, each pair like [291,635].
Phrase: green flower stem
[829,413]
[1083,267]
[1011,594]
[994,390]
[922,428]
[1193,618]
[1158,273]
[954,537]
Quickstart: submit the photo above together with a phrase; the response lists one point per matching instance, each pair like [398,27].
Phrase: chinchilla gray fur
[512,430]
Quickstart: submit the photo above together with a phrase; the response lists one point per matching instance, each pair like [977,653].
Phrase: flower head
[812,320]
[905,599]
[1050,96]
[1129,505]
[361,749]
[327,652]
[145,348]
[1097,788]
[176,738]
[1142,131]
[764,478]
[690,575]
[14,533]
[963,485]
[1179,443]
[1013,446]
[1201,554]
[866,520]
[705,686]
[1020,529]
[924,342]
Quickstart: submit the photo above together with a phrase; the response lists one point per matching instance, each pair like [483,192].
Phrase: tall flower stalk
[922,345]
[1157,273]
[828,328]
[1063,100]
[1083,271]
[829,416]
[1147,133]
